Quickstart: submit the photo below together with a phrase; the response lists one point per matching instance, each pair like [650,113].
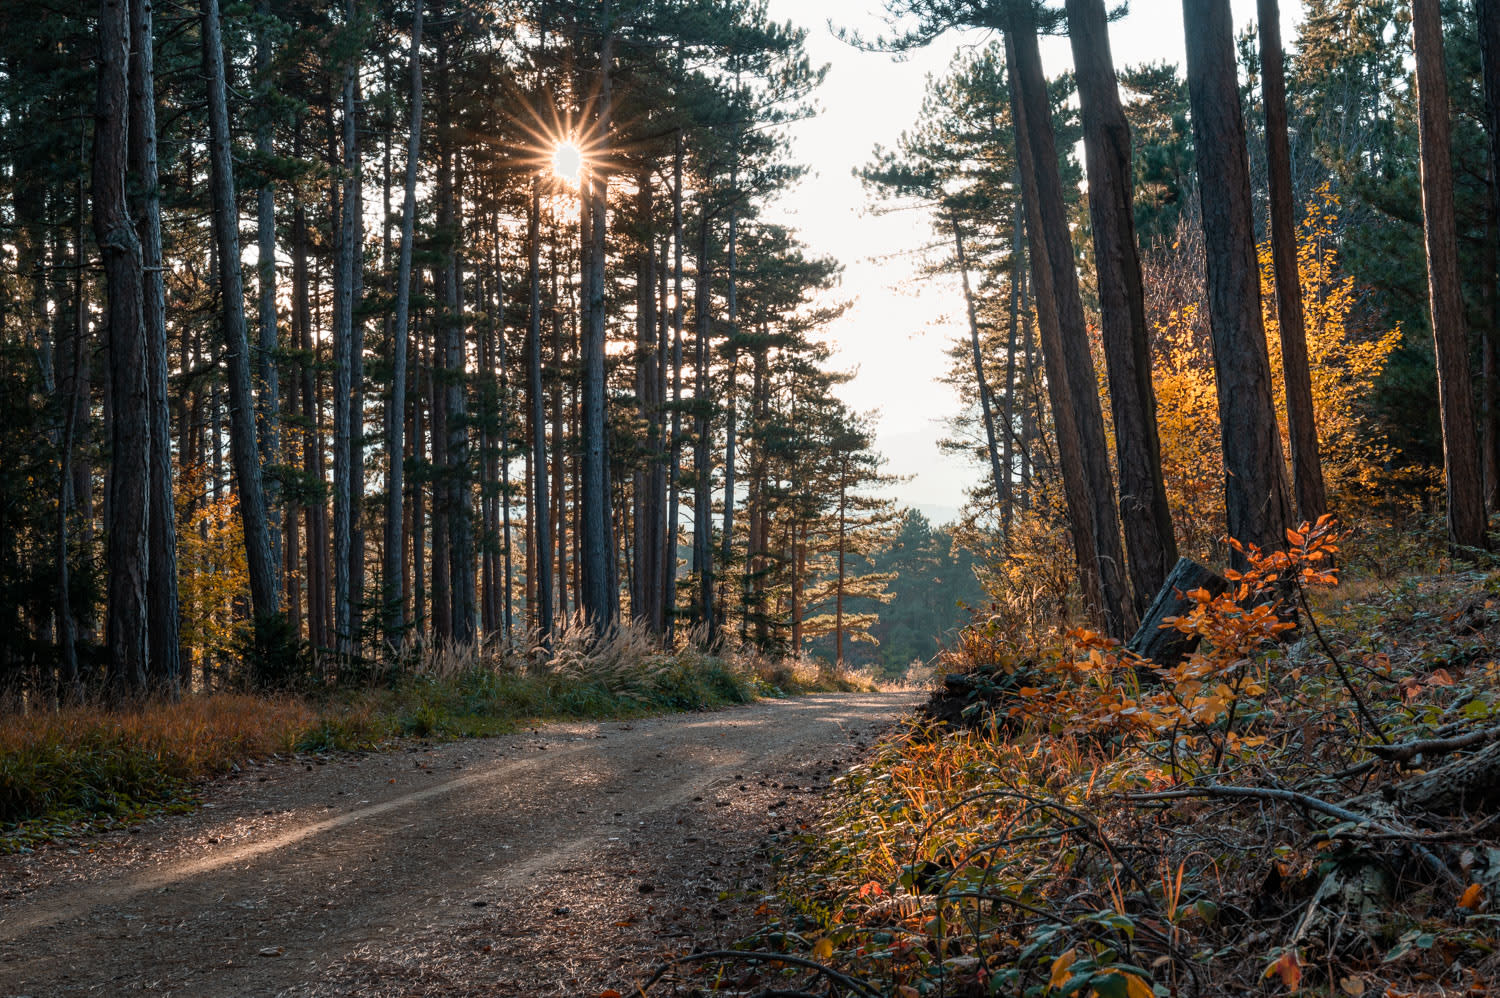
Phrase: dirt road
[559,862]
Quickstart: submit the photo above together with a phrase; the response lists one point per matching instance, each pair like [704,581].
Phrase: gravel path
[564,861]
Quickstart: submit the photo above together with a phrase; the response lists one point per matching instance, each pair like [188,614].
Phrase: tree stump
[1166,646]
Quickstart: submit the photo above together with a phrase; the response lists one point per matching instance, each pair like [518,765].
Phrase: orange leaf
[1060,969]
[1472,898]
[610,993]
[1288,968]
[1136,987]
[1440,677]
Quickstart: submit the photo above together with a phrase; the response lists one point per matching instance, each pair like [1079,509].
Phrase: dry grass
[88,762]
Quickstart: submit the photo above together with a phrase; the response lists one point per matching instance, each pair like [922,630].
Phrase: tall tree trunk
[732,335]
[264,598]
[674,460]
[395,575]
[999,478]
[1082,448]
[597,600]
[265,230]
[540,511]
[349,243]
[1461,469]
[1307,466]
[1489,48]
[560,446]
[702,461]
[1012,340]
[838,606]
[162,598]
[460,522]
[645,589]
[1149,540]
[1255,490]
[312,440]
[128,557]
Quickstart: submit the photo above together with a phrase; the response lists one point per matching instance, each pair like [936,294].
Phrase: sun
[567,161]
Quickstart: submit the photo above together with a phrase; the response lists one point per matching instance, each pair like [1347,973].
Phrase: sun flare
[567,161]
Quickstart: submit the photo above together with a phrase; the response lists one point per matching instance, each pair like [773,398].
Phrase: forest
[338,331]
[386,370]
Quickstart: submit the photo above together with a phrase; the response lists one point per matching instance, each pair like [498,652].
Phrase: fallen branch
[1405,752]
[1309,803]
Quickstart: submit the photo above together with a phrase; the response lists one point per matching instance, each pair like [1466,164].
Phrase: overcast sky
[897,331]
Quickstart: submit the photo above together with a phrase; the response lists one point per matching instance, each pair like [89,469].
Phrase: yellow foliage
[1187,414]
[212,576]
[1345,360]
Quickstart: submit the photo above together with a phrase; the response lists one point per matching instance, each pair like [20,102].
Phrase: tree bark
[1467,526]
[1082,449]
[1307,467]
[1489,49]
[162,598]
[1149,540]
[1255,490]
[129,507]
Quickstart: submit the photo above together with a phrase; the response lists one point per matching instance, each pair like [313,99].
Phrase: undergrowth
[88,766]
[1277,813]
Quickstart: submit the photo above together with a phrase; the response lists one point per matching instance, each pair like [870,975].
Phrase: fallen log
[1467,785]
[1405,752]
[1167,646]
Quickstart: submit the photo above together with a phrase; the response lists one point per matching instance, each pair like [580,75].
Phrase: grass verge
[66,771]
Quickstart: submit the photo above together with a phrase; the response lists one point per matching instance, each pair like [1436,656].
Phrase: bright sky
[896,334]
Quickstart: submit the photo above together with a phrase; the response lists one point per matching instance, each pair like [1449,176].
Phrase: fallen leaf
[823,949]
[1354,986]
[610,992]
[273,951]
[1288,968]
[1472,898]
[1136,987]
[1060,969]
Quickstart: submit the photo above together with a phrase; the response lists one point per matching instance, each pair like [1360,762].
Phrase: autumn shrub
[1121,828]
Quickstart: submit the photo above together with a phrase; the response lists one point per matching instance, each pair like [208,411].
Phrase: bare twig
[1309,803]
[1366,717]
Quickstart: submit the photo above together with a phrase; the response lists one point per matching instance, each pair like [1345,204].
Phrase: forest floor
[561,861]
